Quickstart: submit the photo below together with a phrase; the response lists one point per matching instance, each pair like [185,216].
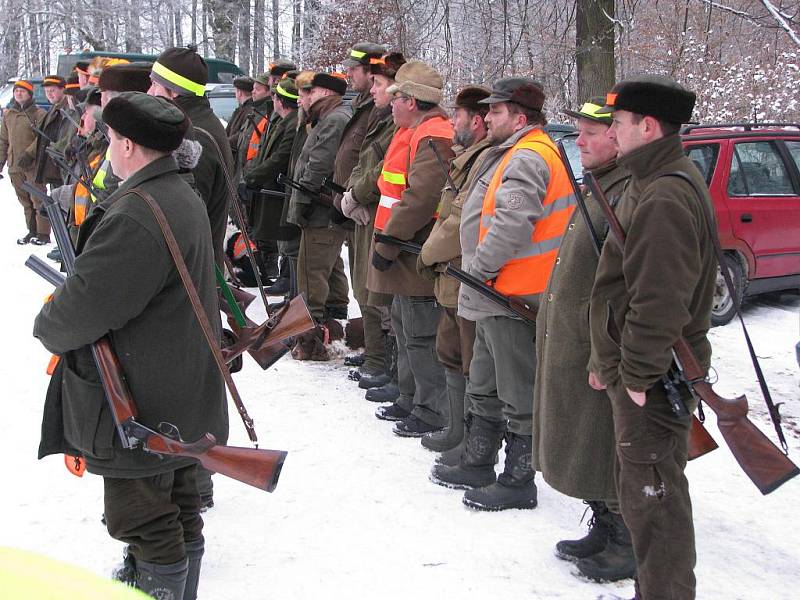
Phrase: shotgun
[256,467]
[511,303]
[766,466]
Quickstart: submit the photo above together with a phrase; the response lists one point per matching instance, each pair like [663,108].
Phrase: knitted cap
[182,70]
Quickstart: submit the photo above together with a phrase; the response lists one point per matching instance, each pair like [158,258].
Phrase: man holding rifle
[573,430]
[126,285]
[646,296]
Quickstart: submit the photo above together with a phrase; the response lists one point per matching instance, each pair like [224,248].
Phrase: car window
[758,170]
[223,106]
[794,150]
[704,158]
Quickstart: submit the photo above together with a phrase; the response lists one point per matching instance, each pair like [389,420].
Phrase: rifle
[286,181]
[512,304]
[65,113]
[330,184]
[253,466]
[598,247]
[443,167]
[766,466]
[60,160]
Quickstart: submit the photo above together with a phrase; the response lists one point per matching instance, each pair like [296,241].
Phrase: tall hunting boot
[164,582]
[616,561]
[194,554]
[514,487]
[390,391]
[453,433]
[594,541]
[475,467]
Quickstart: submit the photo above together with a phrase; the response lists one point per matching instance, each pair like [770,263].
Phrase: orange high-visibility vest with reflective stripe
[82,197]
[255,139]
[528,273]
[393,179]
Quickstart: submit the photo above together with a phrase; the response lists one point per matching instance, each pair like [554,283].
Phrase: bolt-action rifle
[256,467]
[766,466]
[511,303]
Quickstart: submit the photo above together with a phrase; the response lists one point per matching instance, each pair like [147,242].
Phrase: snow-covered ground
[354,515]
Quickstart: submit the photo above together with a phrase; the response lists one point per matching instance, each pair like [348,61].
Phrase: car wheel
[724,307]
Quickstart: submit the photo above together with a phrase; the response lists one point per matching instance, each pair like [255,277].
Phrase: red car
[753,173]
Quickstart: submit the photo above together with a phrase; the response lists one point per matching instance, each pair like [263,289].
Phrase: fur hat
[418,80]
[72,87]
[125,78]
[182,70]
[654,96]
[150,121]
[281,66]
[336,82]
[303,79]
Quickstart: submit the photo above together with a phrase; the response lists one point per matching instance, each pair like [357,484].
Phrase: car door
[764,205]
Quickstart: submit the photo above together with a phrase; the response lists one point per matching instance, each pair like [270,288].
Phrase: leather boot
[453,433]
[386,393]
[514,487]
[125,572]
[164,582]
[367,382]
[194,554]
[616,561]
[594,541]
[475,467]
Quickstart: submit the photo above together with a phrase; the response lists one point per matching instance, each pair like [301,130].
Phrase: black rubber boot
[367,382]
[594,541]
[386,393]
[125,572]
[616,561]
[164,582]
[194,554]
[514,487]
[453,433]
[475,467]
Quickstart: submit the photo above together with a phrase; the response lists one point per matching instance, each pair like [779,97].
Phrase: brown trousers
[652,450]
[455,338]
[36,222]
[320,269]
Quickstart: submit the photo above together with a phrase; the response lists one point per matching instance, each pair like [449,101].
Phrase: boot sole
[599,579]
[408,434]
[381,400]
[454,485]
[366,384]
[478,506]
[438,446]
[569,557]
[390,418]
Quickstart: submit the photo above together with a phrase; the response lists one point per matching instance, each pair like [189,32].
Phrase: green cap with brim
[589,110]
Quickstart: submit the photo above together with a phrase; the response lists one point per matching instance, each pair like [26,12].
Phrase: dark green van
[219,71]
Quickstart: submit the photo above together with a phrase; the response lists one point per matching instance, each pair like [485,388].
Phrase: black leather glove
[381,263]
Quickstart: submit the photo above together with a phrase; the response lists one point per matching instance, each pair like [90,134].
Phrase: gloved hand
[347,203]
[381,263]
[426,271]
[361,215]
[26,161]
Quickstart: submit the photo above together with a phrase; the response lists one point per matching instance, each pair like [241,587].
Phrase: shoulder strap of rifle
[202,317]
[774,411]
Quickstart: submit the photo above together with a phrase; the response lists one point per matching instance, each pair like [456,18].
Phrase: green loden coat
[126,285]
[573,429]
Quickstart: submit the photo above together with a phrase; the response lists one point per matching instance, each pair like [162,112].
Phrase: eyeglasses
[399,97]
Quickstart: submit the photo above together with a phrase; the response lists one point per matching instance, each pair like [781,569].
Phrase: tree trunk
[276,29]
[297,23]
[258,36]
[176,24]
[594,47]
[244,35]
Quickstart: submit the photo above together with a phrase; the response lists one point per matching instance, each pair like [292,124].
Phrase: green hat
[286,90]
[589,110]
[263,79]
[182,70]
[654,96]
[150,121]
[361,53]
[525,91]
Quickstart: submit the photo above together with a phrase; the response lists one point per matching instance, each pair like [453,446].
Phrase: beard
[465,139]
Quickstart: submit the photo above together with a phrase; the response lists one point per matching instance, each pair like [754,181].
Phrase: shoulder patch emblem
[514,201]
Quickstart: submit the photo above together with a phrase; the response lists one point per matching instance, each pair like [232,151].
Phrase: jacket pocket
[88,425]
[651,472]
[611,328]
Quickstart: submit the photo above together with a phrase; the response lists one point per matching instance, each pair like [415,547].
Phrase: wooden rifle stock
[763,462]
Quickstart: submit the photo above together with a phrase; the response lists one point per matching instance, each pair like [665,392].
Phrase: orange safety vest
[82,197]
[393,179]
[528,273]
[255,139]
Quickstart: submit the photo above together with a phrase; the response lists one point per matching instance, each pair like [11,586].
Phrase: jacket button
[571,226]
[550,297]
[558,260]
[653,456]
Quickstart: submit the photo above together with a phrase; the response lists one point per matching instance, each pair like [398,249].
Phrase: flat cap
[470,96]
[360,54]
[525,91]
[418,80]
[653,95]
[589,110]
[243,83]
[150,121]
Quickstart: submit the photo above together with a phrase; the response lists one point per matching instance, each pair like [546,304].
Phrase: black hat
[589,110]
[150,121]
[336,82]
[243,83]
[125,78]
[92,97]
[56,80]
[524,91]
[72,87]
[654,96]
[286,90]
[470,97]
[361,53]
[182,70]
[281,66]
[387,64]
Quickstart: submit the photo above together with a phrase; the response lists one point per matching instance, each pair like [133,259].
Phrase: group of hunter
[370,159]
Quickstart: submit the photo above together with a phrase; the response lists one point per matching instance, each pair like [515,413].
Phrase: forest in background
[741,57]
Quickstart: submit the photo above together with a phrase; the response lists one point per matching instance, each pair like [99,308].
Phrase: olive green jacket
[17,138]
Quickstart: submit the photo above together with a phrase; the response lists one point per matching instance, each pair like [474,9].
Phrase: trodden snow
[354,515]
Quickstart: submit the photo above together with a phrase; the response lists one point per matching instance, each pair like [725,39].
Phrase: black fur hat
[652,95]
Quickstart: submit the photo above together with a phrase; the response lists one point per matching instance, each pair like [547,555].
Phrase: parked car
[753,173]
[223,100]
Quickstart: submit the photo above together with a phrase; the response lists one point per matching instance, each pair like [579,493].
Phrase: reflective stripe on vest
[82,198]
[99,180]
[255,139]
[528,272]
[393,179]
